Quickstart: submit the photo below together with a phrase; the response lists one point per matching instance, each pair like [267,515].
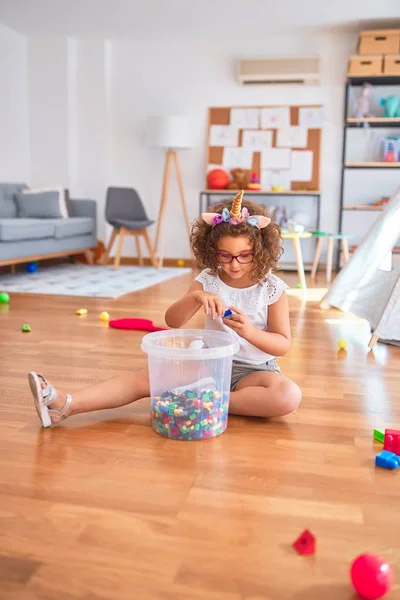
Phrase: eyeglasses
[244,259]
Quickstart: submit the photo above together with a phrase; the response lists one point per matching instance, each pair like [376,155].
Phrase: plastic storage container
[190,376]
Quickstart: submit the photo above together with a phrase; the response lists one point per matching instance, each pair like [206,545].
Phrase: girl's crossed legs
[259,394]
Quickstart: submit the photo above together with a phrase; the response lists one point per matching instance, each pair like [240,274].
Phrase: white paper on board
[237,157]
[224,135]
[292,137]
[275,117]
[245,118]
[256,140]
[302,165]
[270,178]
[311,117]
[276,158]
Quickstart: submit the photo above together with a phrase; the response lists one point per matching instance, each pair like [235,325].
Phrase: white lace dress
[253,301]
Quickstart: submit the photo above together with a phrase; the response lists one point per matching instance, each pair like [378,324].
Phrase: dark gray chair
[126,213]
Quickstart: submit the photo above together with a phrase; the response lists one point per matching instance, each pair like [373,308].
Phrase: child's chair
[126,213]
[330,237]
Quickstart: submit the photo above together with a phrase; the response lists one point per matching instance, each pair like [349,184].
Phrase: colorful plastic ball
[217,179]
[82,312]
[26,328]
[371,576]
[32,267]
[104,316]
[180,262]
[342,344]
[4,298]
[299,286]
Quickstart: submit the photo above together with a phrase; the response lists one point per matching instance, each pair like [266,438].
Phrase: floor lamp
[171,134]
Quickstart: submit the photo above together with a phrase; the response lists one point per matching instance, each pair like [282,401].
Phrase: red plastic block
[305,544]
[392,441]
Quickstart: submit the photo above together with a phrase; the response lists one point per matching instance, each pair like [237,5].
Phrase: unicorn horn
[236,210]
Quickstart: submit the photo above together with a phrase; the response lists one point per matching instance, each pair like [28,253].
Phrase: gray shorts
[240,369]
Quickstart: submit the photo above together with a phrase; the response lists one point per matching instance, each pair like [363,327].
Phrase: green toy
[4,298]
[379,435]
[392,106]
[26,328]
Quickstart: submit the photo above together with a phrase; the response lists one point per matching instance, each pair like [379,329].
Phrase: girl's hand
[212,304]
[239,323]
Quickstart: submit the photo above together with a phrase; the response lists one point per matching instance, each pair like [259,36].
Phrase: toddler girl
[237,247]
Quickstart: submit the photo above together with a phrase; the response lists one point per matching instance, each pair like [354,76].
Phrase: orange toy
[217,179]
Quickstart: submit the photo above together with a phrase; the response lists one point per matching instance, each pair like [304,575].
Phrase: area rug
[86,280]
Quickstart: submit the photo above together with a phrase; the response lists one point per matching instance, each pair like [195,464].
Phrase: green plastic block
[379,435]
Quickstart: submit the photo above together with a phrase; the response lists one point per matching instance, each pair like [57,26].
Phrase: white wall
[14,135]
[89,102]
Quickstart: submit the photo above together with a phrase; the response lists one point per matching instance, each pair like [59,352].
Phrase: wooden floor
[103,508]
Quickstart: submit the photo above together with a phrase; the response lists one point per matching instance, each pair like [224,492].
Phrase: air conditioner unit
[302,70]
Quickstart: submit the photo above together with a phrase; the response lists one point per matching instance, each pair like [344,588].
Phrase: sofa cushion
[8,207]
[41,205]
[12,230]
[73,226]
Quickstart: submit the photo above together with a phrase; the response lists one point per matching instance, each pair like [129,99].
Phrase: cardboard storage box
[379,42]
[391,64]
[365,65]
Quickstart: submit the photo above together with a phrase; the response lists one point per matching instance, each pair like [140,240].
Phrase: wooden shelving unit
[363,207]
[372,165]
[349,124]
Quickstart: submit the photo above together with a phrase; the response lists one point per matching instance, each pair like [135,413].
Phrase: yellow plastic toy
[104,316]
[342,344]
[82,312]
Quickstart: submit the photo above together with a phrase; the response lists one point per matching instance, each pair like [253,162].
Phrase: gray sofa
[28,239]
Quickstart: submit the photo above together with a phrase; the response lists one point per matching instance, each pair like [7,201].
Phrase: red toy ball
[217,179]
[371,576]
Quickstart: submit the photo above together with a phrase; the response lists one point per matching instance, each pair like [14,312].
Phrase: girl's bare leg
[264,394]
[113,393]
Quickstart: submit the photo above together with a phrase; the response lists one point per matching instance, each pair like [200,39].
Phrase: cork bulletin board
[304,121]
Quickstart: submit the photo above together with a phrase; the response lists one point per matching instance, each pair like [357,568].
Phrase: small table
[296,237]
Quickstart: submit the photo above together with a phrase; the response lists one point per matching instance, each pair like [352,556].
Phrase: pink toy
[135,325]
[371,576]
[305,544]
[392,441]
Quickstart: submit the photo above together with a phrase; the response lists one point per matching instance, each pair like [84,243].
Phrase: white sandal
[45,396]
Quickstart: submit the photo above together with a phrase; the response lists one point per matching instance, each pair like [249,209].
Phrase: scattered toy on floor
[371,576]
[391,441]
[135,325]
[4,298]
[32,267]
[387,460]
[26,328]
[342,344]
[379,435]
[299,286]
[306,543]
[104,316]
[82,312]
[180,263]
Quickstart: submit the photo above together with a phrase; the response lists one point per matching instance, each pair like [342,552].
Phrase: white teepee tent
[363,288]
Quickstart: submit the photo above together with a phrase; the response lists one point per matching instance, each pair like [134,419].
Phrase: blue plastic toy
[387,460]
[228,313]
[32,267]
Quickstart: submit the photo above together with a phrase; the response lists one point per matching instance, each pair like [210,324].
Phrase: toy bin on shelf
[386,41]
[365,65]
[190,376]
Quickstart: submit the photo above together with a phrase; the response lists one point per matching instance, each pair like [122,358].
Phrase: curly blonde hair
[267,242]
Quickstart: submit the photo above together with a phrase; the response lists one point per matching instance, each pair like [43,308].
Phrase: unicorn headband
[236,215]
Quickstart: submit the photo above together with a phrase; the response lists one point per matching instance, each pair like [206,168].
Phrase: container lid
[174,343]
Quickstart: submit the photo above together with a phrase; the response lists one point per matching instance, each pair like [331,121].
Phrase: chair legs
[104,259]
[137,233]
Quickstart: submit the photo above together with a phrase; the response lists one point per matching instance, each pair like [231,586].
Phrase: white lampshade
[168,132]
